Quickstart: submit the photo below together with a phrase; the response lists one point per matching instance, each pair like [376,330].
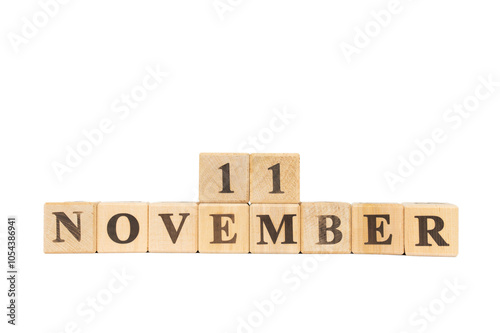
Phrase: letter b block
[223,228]
[70,227]
[377,228]
[274,228]
[122,227]
[431,229]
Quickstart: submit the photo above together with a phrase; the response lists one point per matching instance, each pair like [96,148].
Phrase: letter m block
[70,227]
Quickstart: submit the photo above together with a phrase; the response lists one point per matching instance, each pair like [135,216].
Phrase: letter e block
[224,178]
[325,227]
[122,227]
[70,227]
[274,178]
[173,227]
[431,229]
[274,228]
[377,228]
[223,228]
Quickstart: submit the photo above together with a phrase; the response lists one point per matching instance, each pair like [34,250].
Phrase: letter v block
[122,227]
[325,227]
[431,229]
[377,228]
[70,227]
[274,228]
[223,228]
[173,227]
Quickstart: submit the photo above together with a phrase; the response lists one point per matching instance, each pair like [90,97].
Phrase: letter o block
[377,228]
[223,228]
[431,229]
[70,227]
[122,227]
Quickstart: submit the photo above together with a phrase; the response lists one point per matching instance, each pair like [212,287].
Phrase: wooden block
[274,228]
[224,177]
[223,228]
[274,178]
[431,229]
[173,227]
[122,227]
[325,227]
[377,228]
[70,227]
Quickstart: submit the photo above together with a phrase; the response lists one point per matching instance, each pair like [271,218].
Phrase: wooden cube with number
[223,228]
[224,177]
[274,228]
[377,228]
[431,229]
[70,227]
[122,227]
[173,227]
[325,227]
[274,178]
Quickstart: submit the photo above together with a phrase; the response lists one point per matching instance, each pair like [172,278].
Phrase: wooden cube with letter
[431,229]
[224,177]
[274,178]
[377,228]
[122,227]
[70,227]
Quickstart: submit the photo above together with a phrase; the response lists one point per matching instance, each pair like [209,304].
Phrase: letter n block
[377,228]
[223,228]
[431,229]
[224,177]
[70,227]
[122,227]
[173,227]
[275,178]
[274,228]
[325,227]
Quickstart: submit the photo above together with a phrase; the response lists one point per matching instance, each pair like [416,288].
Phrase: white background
[228,76]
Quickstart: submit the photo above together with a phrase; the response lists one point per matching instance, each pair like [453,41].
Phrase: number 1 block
[275,178]
[224,178]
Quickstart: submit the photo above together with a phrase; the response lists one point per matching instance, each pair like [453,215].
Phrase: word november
[275,221]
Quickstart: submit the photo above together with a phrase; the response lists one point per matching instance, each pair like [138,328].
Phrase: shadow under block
[431,229]
[223,228]
[173,227]
[274,178]
[325,227]
[122,227]
[224,177]
[274,228]
[70,227]
[377,228]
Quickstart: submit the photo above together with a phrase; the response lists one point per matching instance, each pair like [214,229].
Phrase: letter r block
[431,229]
[223,228]
[224,178]
[122,227]
[377,228]
[275,178]
[70,227]
[325,227]
[173,227]
[274,228]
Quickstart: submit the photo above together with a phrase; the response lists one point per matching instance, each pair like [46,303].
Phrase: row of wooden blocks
[318,227]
